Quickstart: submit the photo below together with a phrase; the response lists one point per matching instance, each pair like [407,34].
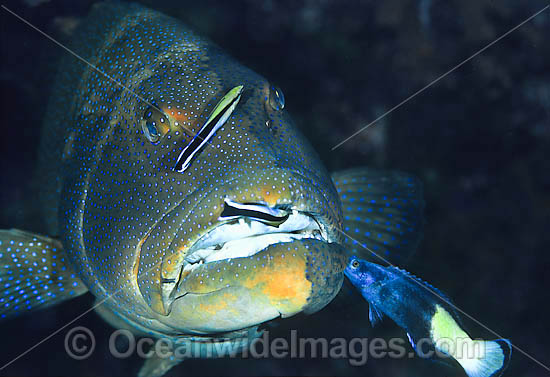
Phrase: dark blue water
[479,139]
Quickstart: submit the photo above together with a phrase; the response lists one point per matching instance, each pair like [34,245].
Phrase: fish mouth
[258,264]
[252,263]
[235,238]
[248,228]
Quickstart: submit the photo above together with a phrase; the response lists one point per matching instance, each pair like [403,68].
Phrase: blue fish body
[427,315]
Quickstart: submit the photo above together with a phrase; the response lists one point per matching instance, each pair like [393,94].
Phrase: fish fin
[422,282]
[34,273]
[436,293]
[494,360]
[383,211]
[411,340]
[156,366]
[375,315]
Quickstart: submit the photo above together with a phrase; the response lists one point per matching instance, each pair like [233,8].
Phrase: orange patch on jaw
[284,284]
[169,268]
[269,194]
[215,306]
[176,114]
[171,263]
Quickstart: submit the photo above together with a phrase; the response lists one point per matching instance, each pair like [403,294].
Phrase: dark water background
[479,139]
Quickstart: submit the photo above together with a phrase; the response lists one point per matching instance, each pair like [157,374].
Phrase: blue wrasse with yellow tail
[432,325]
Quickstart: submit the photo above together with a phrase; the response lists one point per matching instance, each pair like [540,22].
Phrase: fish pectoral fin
[34,273]
[375,315]
[383,211]
[411,340]
[157,366]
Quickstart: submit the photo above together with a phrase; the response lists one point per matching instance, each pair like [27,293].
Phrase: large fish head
[227,214]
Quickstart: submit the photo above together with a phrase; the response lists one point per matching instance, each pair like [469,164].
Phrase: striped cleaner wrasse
[432,324]
[174,187]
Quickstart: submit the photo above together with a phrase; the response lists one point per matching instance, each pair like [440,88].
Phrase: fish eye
[276,98]
[154,124]
[355,263]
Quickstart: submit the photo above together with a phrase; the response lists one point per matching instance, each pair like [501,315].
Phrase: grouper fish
[173,186]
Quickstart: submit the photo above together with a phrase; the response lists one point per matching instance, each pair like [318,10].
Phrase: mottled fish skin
[126,217]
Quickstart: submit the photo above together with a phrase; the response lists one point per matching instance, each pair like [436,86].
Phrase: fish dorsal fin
[375,315]
[424,283]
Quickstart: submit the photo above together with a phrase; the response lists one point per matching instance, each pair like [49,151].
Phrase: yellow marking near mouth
[276,281]
[213,307]
[269,194]
[171,263]
[221,303]
[284,284]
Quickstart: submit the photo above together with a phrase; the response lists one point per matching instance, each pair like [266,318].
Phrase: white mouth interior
[244,237]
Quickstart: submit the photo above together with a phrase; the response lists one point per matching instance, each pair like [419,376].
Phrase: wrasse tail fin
[34,273]
[495,359]
[383,210]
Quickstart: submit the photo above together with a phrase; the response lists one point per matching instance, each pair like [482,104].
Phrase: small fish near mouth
[252,227]
[269,215]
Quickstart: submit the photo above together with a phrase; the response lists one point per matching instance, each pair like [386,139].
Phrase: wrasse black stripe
[215,120]
[203,134]
[229,211]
